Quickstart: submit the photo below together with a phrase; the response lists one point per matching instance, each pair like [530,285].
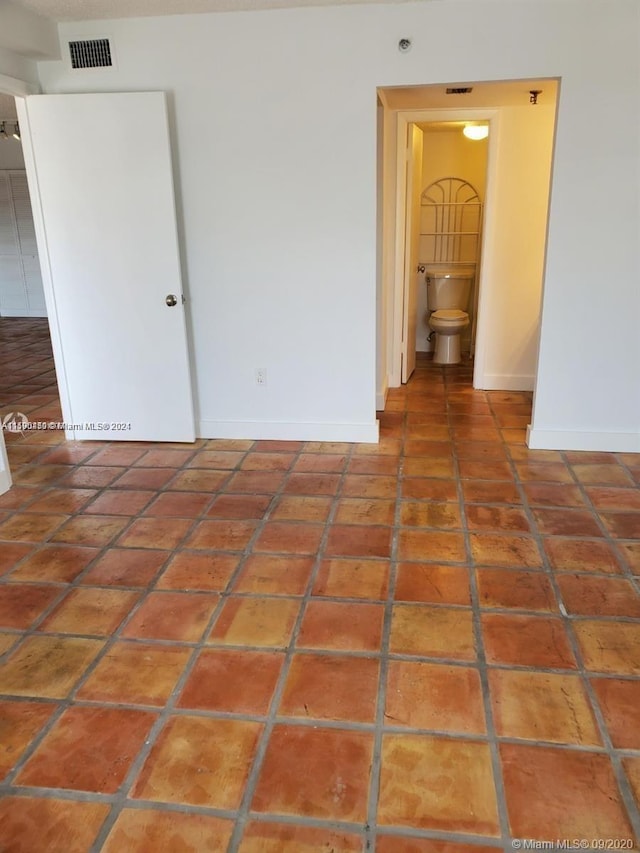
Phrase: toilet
[448,291]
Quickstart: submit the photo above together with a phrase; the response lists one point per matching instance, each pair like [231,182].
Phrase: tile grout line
[166,711]
[481,663]
[311,652]
[411,831]
[385,644]
[244,810]
[108,641]
[607,537]
[633,811]
[9,580]
[100,549]
[623,787]
[340,725]
[114,636]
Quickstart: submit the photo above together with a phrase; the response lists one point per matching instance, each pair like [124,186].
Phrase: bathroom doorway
[515,168]
[454,177]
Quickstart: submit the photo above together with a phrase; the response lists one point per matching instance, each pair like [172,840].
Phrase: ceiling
[443,126]
[82,10]
[503,93]
[7,106]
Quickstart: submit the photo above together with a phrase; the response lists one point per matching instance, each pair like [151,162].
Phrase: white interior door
[412,242]
[99,167]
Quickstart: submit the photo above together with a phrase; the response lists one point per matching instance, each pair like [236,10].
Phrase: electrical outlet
[261,375]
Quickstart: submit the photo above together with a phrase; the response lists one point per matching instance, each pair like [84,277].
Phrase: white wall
[306,81]
[389,363]
[587,393]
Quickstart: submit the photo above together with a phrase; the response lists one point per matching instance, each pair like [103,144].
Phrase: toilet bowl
[448,293]
[448,323]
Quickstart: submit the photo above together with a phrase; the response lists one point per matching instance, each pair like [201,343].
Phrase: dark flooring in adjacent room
[430,645]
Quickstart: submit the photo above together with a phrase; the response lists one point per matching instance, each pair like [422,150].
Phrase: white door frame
[45,266]
[17,88]
[413,145]
[395,293]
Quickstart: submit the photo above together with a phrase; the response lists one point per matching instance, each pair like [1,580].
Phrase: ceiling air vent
[460,90]
[91,53]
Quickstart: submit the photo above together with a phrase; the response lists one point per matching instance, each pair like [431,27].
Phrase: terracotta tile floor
[431,644]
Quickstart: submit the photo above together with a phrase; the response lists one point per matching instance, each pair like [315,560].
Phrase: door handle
[171,300]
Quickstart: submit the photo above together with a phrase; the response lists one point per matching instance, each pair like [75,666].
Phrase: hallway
[429,645]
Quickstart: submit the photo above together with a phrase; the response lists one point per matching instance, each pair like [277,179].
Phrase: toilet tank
[448,286]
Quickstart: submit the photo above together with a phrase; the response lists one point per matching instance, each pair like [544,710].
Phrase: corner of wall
[18,75]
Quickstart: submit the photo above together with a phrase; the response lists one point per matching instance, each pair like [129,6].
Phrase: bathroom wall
[514,252]
[448,153]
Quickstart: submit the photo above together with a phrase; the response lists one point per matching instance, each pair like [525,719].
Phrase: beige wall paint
[450,153]
[514,254]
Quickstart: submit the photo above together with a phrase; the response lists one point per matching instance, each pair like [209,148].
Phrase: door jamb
[45,264]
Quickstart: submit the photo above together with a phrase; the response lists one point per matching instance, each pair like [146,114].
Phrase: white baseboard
[506,382]
[5,482]
[554,439]
[283,431]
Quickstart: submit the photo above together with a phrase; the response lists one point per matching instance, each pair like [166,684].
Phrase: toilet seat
[449,314]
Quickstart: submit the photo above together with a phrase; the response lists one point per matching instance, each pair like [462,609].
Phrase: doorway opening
[21,290]
[511,171]
[28,387]
[450,238]
[119,379]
